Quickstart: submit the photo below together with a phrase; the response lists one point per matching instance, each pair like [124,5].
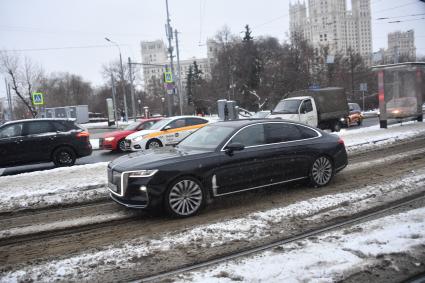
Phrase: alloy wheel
[121,145]
[322,171]
[185,197]
[64,157]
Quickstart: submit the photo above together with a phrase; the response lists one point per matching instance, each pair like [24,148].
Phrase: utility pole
[114,92]
[122,78]
[169,33]
[9,99]
[179,81]
[133,102]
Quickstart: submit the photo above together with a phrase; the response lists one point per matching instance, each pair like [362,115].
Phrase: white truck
[325,108]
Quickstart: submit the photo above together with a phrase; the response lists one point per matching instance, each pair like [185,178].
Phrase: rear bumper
[84,151]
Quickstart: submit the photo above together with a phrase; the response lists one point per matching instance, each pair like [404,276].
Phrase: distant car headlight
[139,138]
[109,139]
[142,173]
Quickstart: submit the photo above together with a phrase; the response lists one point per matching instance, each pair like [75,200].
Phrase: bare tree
[24,78]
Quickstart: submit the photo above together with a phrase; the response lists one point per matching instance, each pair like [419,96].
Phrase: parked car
[116,140]
[168,131]
[42,140]
[355,116]
[225,158]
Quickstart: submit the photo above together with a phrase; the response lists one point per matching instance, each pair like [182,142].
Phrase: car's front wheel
[185,197]
[321,171]
[64,156]
[154,143]
[121,145]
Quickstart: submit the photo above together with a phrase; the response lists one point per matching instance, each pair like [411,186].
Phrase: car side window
[307,133]
[39,127]
[179,123]
[282,132]
[250,136]
[306,106]
[14,130]
[59,126]
[195,121]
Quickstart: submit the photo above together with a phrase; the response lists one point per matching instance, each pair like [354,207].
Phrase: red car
[115,140]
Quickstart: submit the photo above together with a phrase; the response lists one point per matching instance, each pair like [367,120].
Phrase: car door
[11,150]
[172,131]
[247,168]
[39,140]
[307,115]
[291,152]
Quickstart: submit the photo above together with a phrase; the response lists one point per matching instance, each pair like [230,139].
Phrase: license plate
[113,187]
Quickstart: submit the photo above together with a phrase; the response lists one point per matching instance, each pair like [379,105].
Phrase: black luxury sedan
[225,158]
[42,140]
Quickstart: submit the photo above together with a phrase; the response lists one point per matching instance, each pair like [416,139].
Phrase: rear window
[65,126]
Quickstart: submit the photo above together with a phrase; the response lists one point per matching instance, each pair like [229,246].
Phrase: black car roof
[245,122]
[38,119]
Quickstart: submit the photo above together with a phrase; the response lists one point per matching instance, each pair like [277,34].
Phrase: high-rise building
[329,23]
[155,61]
[401,46]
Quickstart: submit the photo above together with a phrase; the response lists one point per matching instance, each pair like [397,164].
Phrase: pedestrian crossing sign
[168,77]
[37,98]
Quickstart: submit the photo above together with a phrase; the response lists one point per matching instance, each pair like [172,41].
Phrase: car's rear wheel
[185,197]
[154,143]
[321,171]
[121,145]
[336,126]
[64,156]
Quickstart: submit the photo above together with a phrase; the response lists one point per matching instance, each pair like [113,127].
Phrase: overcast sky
[54,27]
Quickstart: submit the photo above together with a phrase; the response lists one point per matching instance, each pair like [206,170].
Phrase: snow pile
[254,226]
[59,185]
[328,258]
[372,137]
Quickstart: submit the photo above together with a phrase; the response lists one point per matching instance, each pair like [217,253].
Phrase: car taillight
[83,134]
[340,141]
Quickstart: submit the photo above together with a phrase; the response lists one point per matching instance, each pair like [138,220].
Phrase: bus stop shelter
[401,91]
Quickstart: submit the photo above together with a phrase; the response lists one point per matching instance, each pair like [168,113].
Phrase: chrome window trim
[257,187]
[272,122]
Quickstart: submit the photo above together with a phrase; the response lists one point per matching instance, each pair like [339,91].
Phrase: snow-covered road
[132,254]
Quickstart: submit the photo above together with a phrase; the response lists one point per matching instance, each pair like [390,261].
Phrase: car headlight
[139,138]
[142,173]
[109,139]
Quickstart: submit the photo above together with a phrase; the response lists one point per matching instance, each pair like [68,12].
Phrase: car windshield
[208,137]
[132,126]
[287,106]
[160,124]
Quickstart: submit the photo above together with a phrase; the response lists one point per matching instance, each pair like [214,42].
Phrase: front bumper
[107,145]
[129,203]
[130,146]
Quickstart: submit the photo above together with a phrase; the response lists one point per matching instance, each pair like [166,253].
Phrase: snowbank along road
[97,240]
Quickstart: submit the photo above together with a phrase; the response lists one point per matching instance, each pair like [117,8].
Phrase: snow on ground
[372,137]
[56,186]
[328,258]
[251,227]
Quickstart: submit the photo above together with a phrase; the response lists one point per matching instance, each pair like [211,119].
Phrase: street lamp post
[122,78]
[163,106]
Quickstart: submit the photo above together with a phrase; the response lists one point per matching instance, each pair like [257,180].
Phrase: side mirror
[166,128]
[230,148]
